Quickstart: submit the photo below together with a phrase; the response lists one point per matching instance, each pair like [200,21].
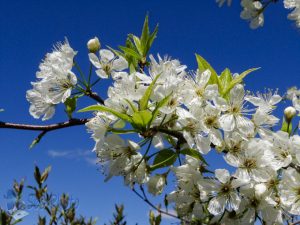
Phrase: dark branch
[94,96]
[43,128]
[46,128]
[296,167]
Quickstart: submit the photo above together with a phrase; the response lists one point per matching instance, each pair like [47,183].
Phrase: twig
[43,128]
[47,128]
[145,199]
[296,167]
[94,96]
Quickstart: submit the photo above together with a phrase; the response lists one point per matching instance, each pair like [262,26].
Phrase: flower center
[250,163]
[226,188]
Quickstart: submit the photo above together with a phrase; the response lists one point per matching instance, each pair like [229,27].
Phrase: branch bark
[94,96]
[46,128]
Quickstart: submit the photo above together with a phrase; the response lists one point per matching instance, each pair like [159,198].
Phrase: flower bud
[289,113]
[93,45]
[156,184]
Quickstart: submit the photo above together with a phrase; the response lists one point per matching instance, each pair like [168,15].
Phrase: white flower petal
[222,175]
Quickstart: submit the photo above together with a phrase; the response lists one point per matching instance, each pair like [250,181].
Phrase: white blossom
[252,11]
[295,14]
[108,64]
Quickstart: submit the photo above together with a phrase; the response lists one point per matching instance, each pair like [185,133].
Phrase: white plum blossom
[255,162]
[108,64]
[197,91]
[98,126]
[39,107]
[156,184]
[234,111]
[252,11]
[263,121]
[295,14]
[56,81]
[116,155]
[224,192]
[266,101]
[286,148]
[290,189]
[293,94]
[221,2]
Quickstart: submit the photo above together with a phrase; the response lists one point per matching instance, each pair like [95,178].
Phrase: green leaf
[151,39]
[141,119]
[70,106]
[238,80]
[144,100]
[194,153]
[164,158]
[134,109]
[204,65]
[102,108]
[145,34]
[116,52]
[160,104]
[37,175]
[45,174]
[286,127]
[130,52]
[225,80]
[119,124]
[137,43]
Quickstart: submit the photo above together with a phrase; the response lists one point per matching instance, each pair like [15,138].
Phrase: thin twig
[296,167]
[145,199]
[94,96]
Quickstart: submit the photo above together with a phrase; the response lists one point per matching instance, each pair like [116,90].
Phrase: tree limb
[46,128]
[94,96]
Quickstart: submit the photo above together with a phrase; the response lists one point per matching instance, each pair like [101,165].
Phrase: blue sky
[30,28]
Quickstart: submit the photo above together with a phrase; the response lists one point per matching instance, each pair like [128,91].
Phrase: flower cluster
[253,10]
[56,81]
[161,119]
[295,14]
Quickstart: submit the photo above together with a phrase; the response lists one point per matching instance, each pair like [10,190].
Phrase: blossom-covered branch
[159,118]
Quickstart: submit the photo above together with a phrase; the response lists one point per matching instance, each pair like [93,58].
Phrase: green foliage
[141,119]
[119,218]
[154,220]
[237,80]
[164,158]
[194,153]
[144,100]
[225,81]
[287,126]
[137,48]
[204,65]
[62,212]
[70,106]
[102,108]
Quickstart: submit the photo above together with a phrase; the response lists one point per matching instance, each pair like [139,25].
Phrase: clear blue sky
[30,28]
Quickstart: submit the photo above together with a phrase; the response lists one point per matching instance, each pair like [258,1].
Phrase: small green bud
[93,45]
